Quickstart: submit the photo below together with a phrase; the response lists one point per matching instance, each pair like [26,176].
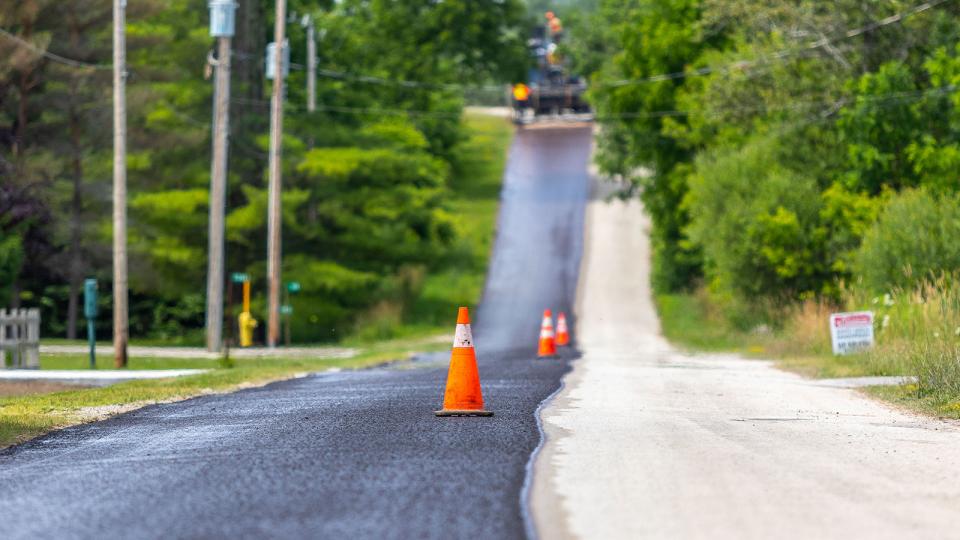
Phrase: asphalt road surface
[354,454]
[645,441]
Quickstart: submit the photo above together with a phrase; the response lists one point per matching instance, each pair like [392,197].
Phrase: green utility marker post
[90,313]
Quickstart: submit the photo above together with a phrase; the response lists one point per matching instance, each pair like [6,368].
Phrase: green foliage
[762,168]
[916,237]
[367,177]
[11,259]
[171,234]
[644,39]
[878,132]
[757,223]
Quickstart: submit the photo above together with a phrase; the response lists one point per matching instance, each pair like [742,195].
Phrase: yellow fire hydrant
[247,324]
[246,321]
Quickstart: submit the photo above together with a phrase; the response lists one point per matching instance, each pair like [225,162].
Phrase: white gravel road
[648,442]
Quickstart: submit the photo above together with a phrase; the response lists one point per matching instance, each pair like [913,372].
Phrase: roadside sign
[851,332]
[286,309]
[239,277]
[293,286]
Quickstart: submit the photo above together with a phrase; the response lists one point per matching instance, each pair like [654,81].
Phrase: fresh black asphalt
[339,455]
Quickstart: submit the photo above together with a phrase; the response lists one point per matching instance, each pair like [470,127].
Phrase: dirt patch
[23,388]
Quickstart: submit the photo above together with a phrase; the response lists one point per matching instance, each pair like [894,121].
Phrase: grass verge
[918,334]
[25,417]
[690,323]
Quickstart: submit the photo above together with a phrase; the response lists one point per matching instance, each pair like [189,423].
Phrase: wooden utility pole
[274,219]
[311,66]
[120,322]
[218,196]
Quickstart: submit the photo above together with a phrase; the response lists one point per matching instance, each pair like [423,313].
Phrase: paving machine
[549,90]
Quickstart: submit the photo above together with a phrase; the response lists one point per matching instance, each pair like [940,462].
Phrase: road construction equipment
[521,93]
[548,346]
[550,89]
[563,335]
[463,396]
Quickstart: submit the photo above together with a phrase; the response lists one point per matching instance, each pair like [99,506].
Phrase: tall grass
[917,332]
[918,329]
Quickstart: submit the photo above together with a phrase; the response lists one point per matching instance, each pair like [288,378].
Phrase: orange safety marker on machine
[463,396]
[563,335]
[548,347]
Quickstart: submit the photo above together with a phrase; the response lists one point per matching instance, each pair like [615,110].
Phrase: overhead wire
[353,110]
[370,79]
[52,56]
[794,105]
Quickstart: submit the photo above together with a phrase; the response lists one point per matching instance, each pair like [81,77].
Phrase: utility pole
[273,209]
[222,14]
[311,65]
[121,326]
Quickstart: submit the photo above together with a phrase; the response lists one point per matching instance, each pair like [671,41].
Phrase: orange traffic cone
[563,335]
[463,396]
[548,347]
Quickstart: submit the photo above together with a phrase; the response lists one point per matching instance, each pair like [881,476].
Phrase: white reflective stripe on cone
[463,337]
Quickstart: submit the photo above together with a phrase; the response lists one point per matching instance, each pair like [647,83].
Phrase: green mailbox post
[90,313]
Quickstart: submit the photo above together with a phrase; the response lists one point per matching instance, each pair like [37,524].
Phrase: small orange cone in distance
[463,396]
[563,335]
[548,347]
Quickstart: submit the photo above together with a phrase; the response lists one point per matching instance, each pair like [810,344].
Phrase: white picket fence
[20,338]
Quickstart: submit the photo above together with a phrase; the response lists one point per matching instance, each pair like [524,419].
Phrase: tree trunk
[19,144]
[76,264]
[76,209]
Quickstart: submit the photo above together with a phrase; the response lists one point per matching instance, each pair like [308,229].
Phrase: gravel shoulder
[648,442]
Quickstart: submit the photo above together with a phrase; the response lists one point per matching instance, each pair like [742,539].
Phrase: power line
[639,114]
[52,56]
[795,105]
[370,79]
[396,112]
[778,55]
[355,110]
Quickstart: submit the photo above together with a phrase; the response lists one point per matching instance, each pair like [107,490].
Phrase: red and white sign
[851,332]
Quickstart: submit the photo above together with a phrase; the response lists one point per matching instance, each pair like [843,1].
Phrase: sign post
[90,313]
[851,332]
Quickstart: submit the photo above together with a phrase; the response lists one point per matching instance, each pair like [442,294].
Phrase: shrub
[916,237]
[757,224]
